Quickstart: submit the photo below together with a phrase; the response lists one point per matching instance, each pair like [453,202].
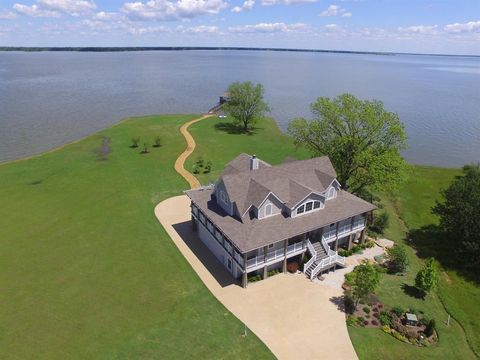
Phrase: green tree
[361,138]
[245,104]
[365,281]
[460,213]
[398,259]
[427,278]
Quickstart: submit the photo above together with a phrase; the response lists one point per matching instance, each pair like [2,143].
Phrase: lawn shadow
[211,263]
[413,291]
[232,129]
[432,241]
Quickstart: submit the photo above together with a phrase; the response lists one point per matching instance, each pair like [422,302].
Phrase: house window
[332,193]
[300,210]
[308,206]
[223,197]
[268,210]
[316,204]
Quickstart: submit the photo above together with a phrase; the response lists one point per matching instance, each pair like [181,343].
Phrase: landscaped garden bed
[356,249]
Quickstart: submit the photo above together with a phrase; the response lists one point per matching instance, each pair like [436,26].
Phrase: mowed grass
[413,203]
[87,270]
[267,142]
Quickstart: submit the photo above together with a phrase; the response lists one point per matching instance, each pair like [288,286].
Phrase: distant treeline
[175,48]
[179,48]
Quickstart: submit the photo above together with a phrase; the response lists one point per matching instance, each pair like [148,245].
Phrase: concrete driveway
[294,317]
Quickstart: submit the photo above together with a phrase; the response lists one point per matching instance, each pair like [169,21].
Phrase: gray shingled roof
[291,182]
[254,233]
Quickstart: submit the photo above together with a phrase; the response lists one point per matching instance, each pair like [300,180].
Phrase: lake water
[50,98]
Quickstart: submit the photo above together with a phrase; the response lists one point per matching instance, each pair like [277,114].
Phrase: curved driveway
[295,318]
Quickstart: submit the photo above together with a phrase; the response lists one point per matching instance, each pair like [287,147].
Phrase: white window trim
[305,211]
[268,206]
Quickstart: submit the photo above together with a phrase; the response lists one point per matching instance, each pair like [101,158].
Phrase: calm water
[48,99]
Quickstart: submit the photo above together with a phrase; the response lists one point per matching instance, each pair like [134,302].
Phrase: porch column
[194,224]
[335,247]
[336,231]
[304,241]
[362,237]
[244,278]
[284,267]
[349,247]
[265,250]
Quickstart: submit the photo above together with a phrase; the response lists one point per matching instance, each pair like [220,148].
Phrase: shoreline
[122,120]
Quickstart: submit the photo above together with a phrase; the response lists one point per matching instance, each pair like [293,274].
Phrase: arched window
[268,210]
[223,197]
[332,192]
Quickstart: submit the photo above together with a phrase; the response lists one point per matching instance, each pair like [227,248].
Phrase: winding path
[180,162]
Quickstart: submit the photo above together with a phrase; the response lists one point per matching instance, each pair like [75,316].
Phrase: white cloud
[54,8]
[72,7]
[107,16]
[335,10]
[269,28]
[247,5]
[286,2]
[420,29]
[334,28]
[140,30]
[471,26]
[201,29]
[172,10]
[7,15]
[34,11]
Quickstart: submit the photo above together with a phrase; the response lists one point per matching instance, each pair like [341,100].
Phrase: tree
[460,213]
[245,104]
[427,278]
[360,137]
[398,259]
[365,281]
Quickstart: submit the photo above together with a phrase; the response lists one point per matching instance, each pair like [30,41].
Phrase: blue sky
[433,26]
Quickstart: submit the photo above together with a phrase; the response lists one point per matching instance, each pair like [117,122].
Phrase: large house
[258,216]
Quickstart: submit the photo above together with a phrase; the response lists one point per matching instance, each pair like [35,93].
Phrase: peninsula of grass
[87,270]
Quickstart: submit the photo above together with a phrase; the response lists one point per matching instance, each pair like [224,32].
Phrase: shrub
[369,244]
[196,169]
[375,310]
[356,249]
[398,259]
[427,278]
[135,142]
[253,278]
[199,161]
[386,329]
[365,322]
[352,320]
[366,309]
[349,304]
[208,167]
[374,322]
[430,328]
[398,310]
[349,278]
[360,319]
[362,301]
[345,253]
[273,272]
[376,315]
[424,321]
[157,142]
[399,336]
[385,318]
[380,223]
[380,306]
[145,149]
[292,267]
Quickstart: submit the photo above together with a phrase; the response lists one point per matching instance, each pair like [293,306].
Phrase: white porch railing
[294,248]
[256,261]
[260,260]
[330,234]
[333,258]
[313,253]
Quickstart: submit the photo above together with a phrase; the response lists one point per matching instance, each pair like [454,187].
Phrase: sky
[418,26]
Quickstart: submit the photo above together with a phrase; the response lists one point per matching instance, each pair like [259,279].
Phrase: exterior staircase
[322,258]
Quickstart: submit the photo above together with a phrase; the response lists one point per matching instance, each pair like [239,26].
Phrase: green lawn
[413,203]
[267,142]
[87,270]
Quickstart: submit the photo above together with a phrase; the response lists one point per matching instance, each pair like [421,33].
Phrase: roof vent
[254,162]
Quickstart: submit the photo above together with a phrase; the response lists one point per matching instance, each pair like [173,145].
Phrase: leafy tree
[427,278]
[460,213]
[245,104]
[380,223]
[398,259]
[365,281]
[135,142]
[361,138]
[208,167]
